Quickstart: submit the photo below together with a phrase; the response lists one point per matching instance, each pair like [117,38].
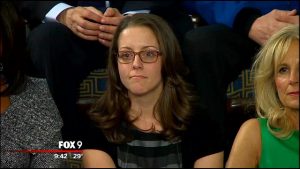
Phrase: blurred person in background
[29,117]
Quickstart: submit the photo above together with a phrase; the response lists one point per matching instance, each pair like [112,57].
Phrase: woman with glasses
[148,115]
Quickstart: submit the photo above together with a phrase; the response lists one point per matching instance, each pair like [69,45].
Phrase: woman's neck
[145,103]
[142,110]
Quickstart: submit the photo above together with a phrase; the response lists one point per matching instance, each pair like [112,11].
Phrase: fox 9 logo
[69,144]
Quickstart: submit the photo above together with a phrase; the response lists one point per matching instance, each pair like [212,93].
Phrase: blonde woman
[272,140]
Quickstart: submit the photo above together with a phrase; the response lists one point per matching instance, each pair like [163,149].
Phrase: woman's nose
[137,62]
[294,78]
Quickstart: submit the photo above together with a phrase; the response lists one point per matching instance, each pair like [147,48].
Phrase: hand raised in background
[91,24]
[109,22]
[266,25]
[83,21]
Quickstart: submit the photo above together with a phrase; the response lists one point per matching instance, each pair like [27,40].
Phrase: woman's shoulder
[255,125]
[246,148]
[250,132]
[35,106]
[38,98]
[30,122]
[34,110]
[34,89]
[251,126]
[36,85]
[253,122]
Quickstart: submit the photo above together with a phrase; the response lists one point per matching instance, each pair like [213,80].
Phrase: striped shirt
[149,150]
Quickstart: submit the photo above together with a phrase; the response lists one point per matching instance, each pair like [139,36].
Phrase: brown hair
[174,104]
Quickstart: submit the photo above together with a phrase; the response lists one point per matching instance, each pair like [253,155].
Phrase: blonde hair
[268,104]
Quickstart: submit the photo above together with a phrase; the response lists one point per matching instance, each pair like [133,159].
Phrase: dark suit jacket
[171,10]
[36,10]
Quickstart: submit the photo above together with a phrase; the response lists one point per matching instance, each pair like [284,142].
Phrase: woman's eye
[150,53]
[125,54]
[283,70]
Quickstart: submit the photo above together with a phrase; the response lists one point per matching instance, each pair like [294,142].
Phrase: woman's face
[138,77]
[287,78]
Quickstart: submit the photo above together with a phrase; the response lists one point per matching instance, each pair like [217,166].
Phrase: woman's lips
[138,76]
[294,93]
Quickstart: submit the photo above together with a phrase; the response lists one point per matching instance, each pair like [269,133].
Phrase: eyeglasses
[146,56]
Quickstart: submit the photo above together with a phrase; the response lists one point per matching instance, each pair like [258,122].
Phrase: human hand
[291,18]
[265,26]
[109,22]
[83,21]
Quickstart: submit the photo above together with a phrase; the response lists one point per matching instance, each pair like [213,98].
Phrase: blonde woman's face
[287,78]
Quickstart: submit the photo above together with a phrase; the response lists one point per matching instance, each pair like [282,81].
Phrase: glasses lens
[125,56]
[149,56]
